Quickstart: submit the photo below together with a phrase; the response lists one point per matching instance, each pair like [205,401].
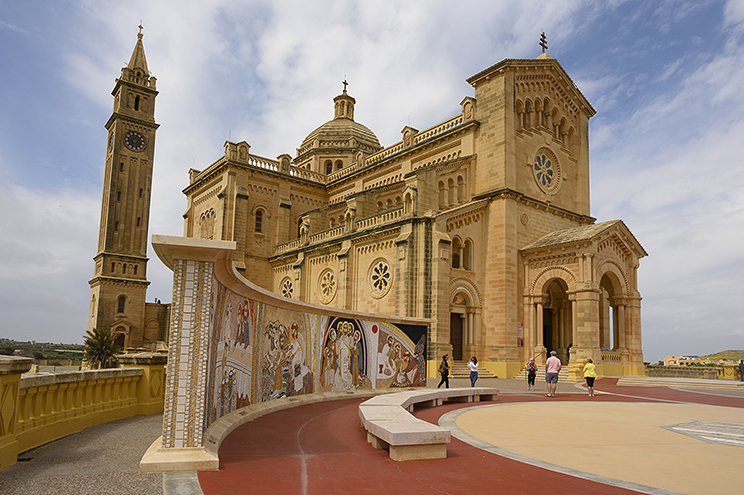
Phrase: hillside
[728,355]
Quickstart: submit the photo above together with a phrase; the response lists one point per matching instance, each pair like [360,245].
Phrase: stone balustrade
[327,234]
[438,129]
[288,246]
[261,162]
[611,357]
[303,173]
[380,218]
[36,409]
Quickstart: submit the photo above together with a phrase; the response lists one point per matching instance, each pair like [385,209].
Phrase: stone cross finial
[543,42]
[345,84]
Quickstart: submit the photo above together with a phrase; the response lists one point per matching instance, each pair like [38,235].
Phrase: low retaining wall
[36,409]
[682,372]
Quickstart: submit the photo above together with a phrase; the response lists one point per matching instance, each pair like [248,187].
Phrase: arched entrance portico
[557,318]
[462,325]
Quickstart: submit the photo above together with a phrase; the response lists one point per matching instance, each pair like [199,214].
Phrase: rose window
[287,288]
[380,277]
[546,170]
[327,286]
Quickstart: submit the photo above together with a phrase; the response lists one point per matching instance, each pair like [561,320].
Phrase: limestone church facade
[480,223]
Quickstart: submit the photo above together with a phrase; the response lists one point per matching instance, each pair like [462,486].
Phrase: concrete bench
[390,425]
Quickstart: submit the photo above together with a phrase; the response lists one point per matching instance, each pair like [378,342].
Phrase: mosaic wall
[261,352]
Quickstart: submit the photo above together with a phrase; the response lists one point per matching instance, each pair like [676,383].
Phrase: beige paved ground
[624,441]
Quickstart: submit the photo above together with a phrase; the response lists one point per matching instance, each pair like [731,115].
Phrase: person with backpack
[444,371]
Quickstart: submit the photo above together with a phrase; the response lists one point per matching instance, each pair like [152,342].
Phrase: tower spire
[138,60]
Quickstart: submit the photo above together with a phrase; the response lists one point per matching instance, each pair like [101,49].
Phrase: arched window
[121,167]
[460,189]
[138,221]
[120,306]
[136,102]
[116,226]
[467,255]
[339,165]
[259,221]
[118,196]
[135,269]
[140,193]
[329,167]
[456,249]
[451,192]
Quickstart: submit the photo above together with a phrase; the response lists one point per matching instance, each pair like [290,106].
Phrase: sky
[666,78]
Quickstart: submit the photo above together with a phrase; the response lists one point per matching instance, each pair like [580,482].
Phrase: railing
[288,246]
[425,135]
[45,407]
[435,131]
[303,173]
[260,162]
[611,357]
[327,234]
[380,218]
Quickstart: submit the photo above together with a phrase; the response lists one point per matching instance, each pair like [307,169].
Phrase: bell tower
[119,284]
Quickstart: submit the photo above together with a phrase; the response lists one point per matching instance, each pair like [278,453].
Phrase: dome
[337,133]
[341,132]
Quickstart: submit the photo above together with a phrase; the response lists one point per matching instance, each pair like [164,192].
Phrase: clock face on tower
[134,141]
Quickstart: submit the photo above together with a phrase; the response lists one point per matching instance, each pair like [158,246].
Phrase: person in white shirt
[473,367]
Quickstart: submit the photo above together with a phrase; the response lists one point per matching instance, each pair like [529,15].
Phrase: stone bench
[390,425]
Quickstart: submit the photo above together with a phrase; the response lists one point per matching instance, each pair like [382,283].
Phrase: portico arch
[550,311]
[612,284]
[557,318]
[464,310]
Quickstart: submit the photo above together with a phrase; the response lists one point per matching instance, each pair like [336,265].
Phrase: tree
[100,348]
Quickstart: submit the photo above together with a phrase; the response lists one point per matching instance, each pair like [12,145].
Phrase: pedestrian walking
[444,371]
[552,367]
[590,373]
[531,374]
[473,367]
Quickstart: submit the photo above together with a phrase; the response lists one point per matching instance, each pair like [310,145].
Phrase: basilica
[480,223]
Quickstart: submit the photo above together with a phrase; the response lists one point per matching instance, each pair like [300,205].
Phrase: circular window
[286,288]
[546,170]
[327,286]
[380,277]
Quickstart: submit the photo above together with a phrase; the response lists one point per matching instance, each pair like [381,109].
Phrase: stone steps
[459,369]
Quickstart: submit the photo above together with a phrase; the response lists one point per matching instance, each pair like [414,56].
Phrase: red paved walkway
[322,449]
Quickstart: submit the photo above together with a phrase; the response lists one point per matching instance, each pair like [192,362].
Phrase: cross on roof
[543,42]
[345,84]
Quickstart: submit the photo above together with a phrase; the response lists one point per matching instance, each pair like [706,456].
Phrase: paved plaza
[633,439]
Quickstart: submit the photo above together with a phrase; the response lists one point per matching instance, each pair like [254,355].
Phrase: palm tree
[100,349]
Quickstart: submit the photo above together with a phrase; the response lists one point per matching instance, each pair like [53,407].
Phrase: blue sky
[665,77]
